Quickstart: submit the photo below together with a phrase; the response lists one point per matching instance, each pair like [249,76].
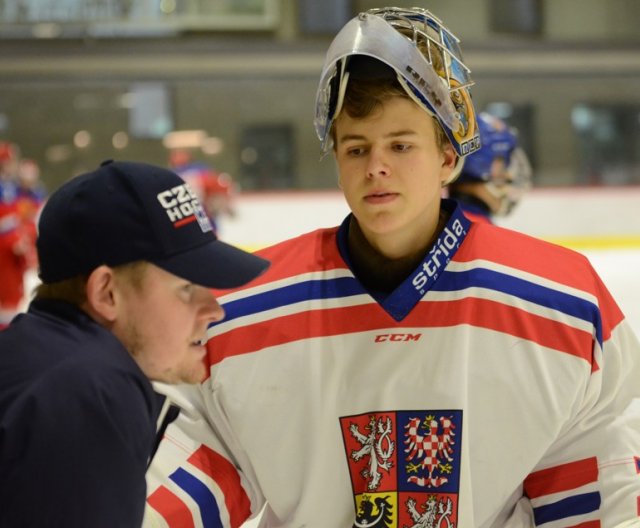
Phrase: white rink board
[265,218]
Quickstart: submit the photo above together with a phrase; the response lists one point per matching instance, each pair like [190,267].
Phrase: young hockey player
[494,178]
[408,367]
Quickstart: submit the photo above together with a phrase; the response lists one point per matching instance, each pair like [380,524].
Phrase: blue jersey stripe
[430,275]
[569,507]
[449,281]
[203,497]
[398,304]
[300,292]
[523,289]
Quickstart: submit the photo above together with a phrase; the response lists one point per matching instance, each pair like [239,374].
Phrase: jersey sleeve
[590,476]
[195,479]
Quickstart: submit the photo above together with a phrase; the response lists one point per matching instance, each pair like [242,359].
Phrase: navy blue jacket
[77,423]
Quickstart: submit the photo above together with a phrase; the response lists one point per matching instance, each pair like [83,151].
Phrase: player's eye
[401,147]
[355,151]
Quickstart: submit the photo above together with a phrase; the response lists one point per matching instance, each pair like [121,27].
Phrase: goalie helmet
[500,164]
[423,55]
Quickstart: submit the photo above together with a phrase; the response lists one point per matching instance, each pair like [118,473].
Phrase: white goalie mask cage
[426,59]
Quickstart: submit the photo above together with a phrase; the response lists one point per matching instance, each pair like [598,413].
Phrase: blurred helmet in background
[501,164]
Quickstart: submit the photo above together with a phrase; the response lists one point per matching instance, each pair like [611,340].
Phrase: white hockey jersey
[497,386]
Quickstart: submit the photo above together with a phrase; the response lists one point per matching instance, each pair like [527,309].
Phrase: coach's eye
[186,290]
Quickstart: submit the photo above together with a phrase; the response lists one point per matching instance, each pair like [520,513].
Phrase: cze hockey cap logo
[182,207]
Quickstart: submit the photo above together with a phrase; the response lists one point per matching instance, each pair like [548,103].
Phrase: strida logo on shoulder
[442,251]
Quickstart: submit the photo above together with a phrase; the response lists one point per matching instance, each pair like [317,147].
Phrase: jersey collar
[402,300]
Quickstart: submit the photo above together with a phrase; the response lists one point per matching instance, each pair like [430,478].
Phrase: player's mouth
[198,347]
[199,342]
[381,197]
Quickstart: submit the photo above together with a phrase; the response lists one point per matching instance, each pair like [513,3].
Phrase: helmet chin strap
[342,87]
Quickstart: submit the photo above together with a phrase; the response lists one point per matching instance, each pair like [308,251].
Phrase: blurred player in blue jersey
[409,367]
[494,178]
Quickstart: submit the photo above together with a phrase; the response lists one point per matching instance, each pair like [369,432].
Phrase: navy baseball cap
[128,211]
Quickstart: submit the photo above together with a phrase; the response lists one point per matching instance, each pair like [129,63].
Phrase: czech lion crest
[404,467]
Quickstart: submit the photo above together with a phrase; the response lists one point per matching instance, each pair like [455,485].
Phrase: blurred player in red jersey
[31,196]
[14,245]
[494,178]
[214,189]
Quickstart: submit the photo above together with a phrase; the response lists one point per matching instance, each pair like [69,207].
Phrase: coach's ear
[101,301]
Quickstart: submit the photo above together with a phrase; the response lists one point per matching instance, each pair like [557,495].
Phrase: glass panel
[326,17]
[608,143]
[69,128]
[516,16]
[150,113]
[266,157]
[144,18]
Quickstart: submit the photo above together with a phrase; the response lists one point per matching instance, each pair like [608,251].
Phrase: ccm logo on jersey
[182,207]
[439,255]
[397,337]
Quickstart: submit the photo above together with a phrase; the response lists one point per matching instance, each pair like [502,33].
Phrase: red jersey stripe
[587,524]
[561,478]
[173,510]
[515,250]
[226,476]
[481,313]
[298,256]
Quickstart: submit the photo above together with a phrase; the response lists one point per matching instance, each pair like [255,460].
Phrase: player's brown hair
[363,97]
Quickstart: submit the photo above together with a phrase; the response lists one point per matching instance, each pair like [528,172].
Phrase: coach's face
[163,324]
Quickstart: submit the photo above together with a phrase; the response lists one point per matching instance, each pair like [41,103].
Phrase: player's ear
[449,161]
[101,298]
